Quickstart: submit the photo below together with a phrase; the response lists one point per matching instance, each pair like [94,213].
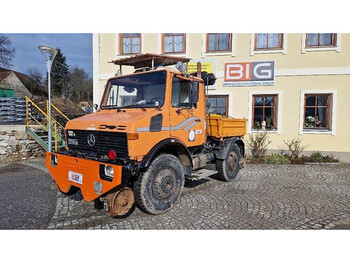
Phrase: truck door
[187,111]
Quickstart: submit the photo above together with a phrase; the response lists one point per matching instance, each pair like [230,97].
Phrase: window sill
[126,55]
[318,132]
[275,131]
[228,53]
[272,51]
[175,54]
[315,49]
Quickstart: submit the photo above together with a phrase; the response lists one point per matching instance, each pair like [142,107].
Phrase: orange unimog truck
[151,131]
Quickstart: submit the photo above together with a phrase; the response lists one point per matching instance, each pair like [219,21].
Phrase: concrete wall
[16,145]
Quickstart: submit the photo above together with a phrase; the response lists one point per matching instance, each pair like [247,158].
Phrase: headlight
[72,141]
[109,171]
[71,133]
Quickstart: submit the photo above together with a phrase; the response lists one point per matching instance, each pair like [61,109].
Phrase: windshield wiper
[109,107]
[135,106]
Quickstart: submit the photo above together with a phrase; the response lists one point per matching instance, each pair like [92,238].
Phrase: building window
[218,104]
[320,40]
[268,41]
[316,111]
[264,112]
[130,44]
[174,43]
[219,42]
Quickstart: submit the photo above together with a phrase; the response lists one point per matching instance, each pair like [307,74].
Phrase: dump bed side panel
[220,127]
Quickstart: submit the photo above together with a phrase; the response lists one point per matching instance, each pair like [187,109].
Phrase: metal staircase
[37,125]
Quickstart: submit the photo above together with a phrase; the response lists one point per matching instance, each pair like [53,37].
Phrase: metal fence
[12,110]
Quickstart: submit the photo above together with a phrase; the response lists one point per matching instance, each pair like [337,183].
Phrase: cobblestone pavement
[260,197]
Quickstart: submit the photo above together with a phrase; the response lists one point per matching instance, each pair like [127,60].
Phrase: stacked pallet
[12,110]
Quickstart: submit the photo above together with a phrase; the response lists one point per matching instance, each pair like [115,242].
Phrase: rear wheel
[229,167]
[158,189]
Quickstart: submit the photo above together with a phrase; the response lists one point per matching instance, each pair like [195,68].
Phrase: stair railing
[54,120]
[58,111]
[55,123]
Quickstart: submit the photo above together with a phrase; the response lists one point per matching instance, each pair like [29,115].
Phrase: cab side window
[180,96]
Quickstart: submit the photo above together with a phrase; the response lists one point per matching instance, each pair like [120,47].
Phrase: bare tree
[36,75]
[89,89]
[295,147]
[258,144]
[80,87]
[7,52]
[36,80]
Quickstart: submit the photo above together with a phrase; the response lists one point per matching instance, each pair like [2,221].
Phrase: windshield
[143,90]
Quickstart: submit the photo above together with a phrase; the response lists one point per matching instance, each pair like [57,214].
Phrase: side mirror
[194,92]
[208,78]
[95,107]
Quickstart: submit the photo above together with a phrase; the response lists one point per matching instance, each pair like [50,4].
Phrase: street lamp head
[49,54]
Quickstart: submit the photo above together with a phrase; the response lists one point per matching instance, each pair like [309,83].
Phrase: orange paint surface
[90,171]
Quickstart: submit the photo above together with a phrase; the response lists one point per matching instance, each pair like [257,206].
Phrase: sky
[76,47]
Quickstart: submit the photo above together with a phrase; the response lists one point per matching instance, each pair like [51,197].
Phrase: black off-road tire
[160,186]
[229,167]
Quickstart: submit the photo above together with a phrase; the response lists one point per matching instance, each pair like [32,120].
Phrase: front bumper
[90,171]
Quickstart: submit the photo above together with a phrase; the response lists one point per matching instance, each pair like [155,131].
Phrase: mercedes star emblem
[91,140]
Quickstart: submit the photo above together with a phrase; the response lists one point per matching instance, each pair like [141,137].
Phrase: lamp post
[49,54]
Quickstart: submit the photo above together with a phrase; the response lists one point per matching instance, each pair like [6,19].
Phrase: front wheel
[229,167]
[158,189]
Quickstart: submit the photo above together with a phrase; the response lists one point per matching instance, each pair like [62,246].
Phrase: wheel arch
[240,144]
[172,146]
[223,151]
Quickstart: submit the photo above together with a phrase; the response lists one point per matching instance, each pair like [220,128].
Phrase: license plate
[75,177]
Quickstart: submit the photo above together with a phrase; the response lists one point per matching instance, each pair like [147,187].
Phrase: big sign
[250,73]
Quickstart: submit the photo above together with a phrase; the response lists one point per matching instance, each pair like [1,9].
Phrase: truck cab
[151,131]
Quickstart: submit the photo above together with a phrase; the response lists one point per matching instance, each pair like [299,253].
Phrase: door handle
[198,119]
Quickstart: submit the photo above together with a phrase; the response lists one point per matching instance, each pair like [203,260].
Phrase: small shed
[11,85]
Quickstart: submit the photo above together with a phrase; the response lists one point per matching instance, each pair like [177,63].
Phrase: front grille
[104,141]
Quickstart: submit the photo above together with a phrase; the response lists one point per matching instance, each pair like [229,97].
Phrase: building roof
[25,80]
[145,60]
[22,77]
[3,75]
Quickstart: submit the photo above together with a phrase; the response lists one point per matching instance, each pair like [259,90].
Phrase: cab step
[201,174]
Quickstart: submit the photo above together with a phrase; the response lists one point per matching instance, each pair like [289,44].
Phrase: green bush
[299,161]
[331,158]
[277,159]
[317,157]
[254,160]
